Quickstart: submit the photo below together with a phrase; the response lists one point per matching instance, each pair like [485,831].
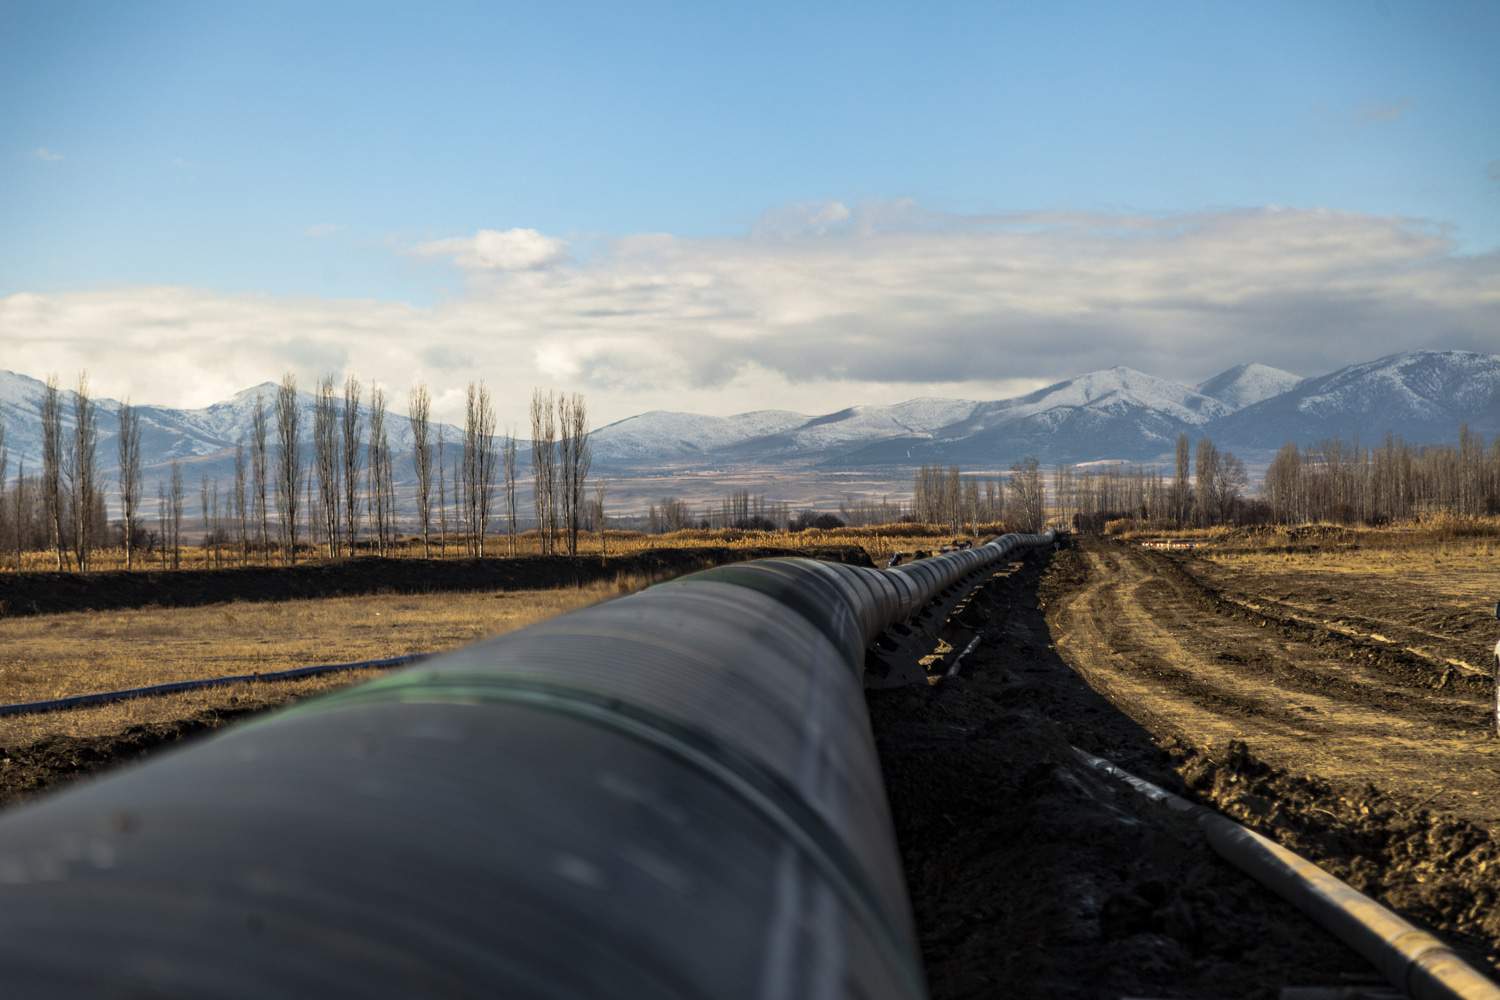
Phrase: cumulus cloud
[885,302]
[43,153]
[499,250]
[321,229]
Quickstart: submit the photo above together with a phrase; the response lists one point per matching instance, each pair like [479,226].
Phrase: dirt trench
[1377,764]
[1031,875]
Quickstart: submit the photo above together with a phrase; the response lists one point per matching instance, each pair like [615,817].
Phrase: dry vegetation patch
[50,656]
[880,541]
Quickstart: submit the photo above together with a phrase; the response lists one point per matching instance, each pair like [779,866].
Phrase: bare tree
[289,463]
[163,525]
[258,469]
[52,465]
[129,443]
[577,459]
[1028,499]
[419,410]
[351,463]
[326,461]
[442,479]
[1206,480]
[82,469]
[178,501]
[210,539]
[239,504]
[1181,494]
[21,509]
[479,464]
[308,505]
[544,468]
[1229,485]
[601,521]
[379,451]
[508,461]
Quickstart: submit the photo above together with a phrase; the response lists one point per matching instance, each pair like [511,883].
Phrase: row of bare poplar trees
[346,485]
[1337,480]
[1207,487]
[351,443]
[945,496]
[63,503]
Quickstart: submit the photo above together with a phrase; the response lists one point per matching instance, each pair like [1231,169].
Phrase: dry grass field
[880,541]
[55,655]
[50,656]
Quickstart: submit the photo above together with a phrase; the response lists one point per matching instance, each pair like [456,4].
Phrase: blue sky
[300,152]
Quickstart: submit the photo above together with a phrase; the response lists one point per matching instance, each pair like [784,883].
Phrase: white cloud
[889,302]
[499,250]
[322,229]
[43,153]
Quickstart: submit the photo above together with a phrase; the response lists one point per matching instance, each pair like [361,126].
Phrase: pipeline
[1412,960]
[675,793]
[176,687]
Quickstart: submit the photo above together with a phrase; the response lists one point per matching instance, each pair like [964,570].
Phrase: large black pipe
[671,794]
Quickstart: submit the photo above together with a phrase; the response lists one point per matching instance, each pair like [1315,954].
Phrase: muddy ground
[49,593]
[1373,760]
[1031,875]
[50,763]
[1391,612]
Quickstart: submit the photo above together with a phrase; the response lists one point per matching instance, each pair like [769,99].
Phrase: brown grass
[880,541]
[50,656]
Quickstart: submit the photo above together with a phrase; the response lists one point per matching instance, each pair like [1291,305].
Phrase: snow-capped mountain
[664,434]
[1247,384]
[1117,413]
[1423,396]
[833,434]
[204,437]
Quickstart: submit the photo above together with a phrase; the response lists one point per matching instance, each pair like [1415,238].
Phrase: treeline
[1332,480]
[940,495]
[738,510]
[1339,481]
[331,486]
[944,496]
[59,507]
[1206,486]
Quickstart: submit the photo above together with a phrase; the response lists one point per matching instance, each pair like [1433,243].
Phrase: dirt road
[1031,875]
[1375,760]
[1165,647]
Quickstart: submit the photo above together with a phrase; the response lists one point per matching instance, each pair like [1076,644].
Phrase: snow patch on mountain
[1423,396]
[1117,391]
[1247,384]
[668,434]
[915,418]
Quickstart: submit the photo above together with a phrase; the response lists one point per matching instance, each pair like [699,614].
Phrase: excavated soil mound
[1437,870]
[48,763]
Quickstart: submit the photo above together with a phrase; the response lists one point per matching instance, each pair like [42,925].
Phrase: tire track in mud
[1362,627]
[1161,646]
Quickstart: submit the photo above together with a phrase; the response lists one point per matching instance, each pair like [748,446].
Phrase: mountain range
[1116,413]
